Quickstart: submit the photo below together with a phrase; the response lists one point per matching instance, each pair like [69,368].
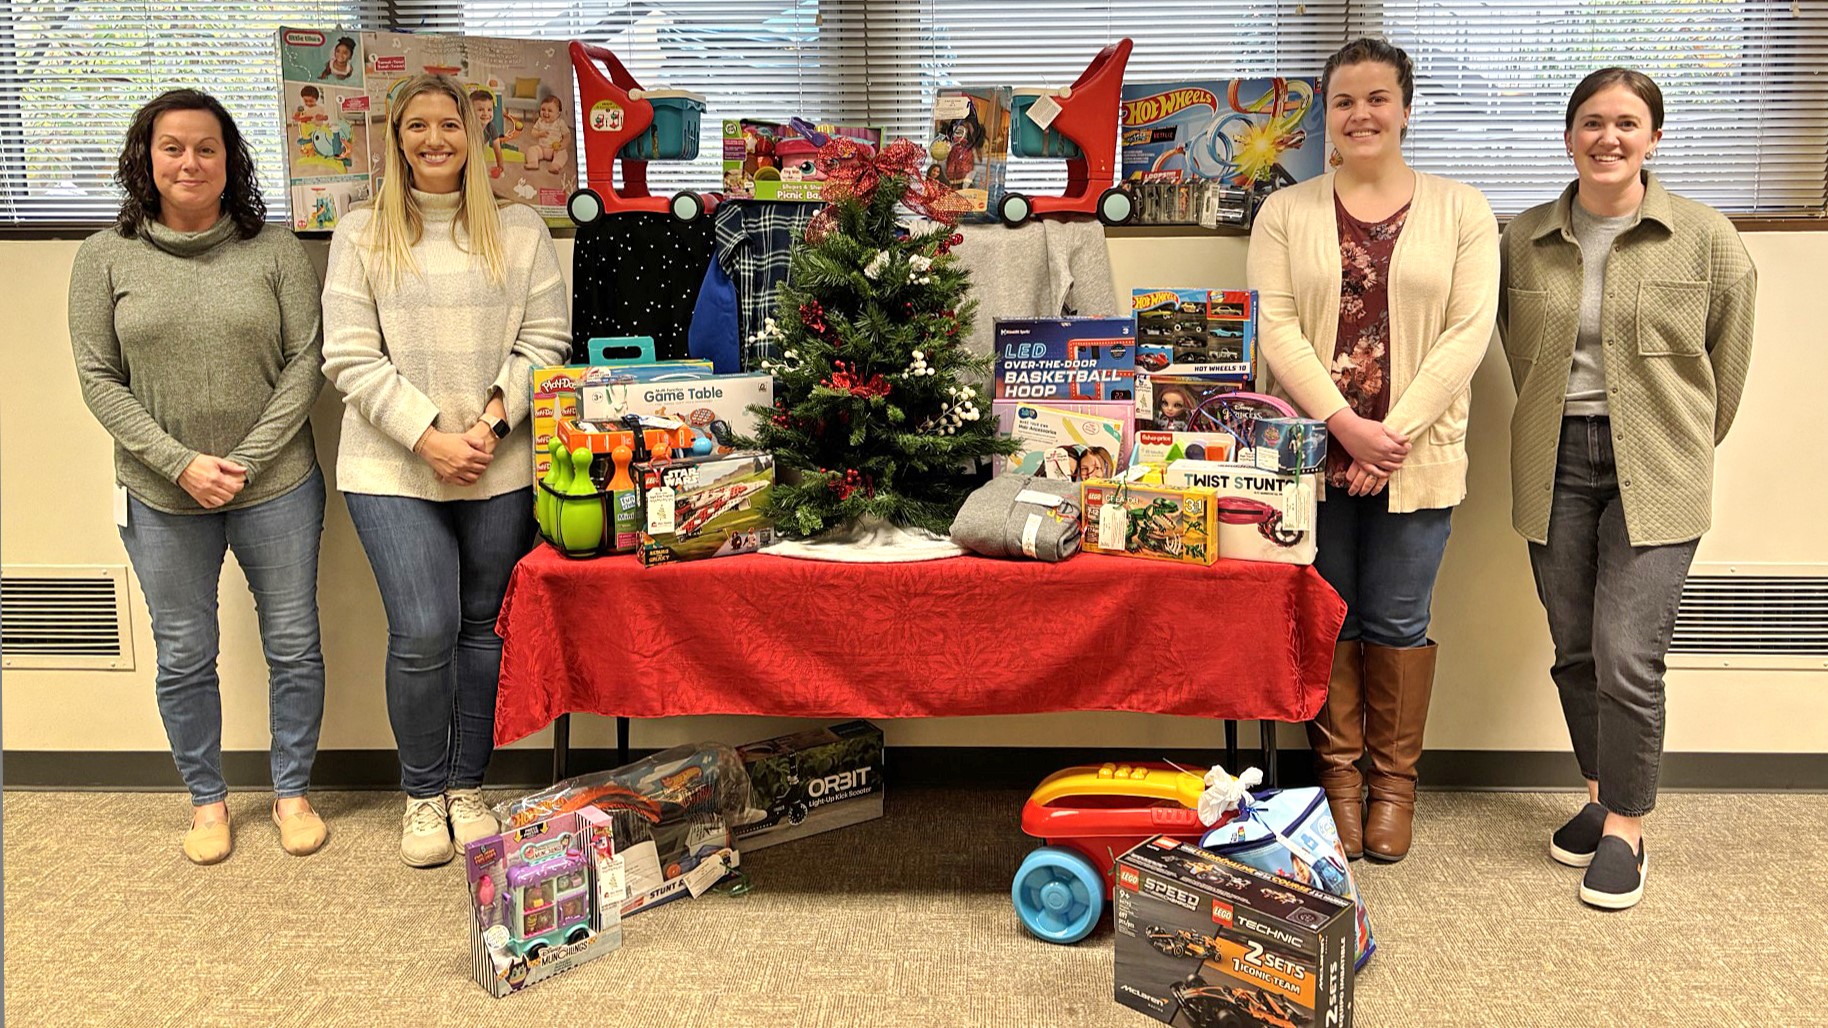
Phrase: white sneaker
[470,817]
[425,839]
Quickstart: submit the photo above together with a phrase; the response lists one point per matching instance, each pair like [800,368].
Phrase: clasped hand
[1377,451]
[457,458]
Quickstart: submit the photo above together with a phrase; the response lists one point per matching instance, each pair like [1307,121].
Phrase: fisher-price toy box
[699,507]
[1065,359]
[1155,447]
[764,160]
[1263,515]
[811,782]
[1202,939]
[1061,439]
[970,146]
[1154,521]
[1208,333]
[544,899]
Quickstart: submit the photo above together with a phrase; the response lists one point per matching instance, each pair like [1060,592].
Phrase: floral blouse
[1361,352]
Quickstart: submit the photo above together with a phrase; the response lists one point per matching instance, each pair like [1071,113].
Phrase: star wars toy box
[1262,515]
[1159,522]
[1207,333]
[1241,135]
[1059,439]
[544,898]
[1202,940]
[764,160]
[811,782]
[699,507]
[1065,359]
[969,150]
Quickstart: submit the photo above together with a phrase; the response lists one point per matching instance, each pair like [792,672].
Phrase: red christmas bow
[852,169]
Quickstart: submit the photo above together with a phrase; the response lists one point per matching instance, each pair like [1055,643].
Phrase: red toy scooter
[629,126]
[1085,133]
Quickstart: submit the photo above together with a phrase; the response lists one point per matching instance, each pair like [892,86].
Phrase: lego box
[1065,440]
[701,507]
[1202,939]
[811,782]
[1209,333]
[1065,359]
[1158,522]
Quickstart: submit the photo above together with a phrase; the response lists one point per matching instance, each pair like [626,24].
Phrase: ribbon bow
[852,169]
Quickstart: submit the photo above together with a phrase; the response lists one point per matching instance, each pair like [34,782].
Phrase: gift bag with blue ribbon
[1287,832]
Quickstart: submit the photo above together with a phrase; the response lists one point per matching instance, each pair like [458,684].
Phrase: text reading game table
[945,638]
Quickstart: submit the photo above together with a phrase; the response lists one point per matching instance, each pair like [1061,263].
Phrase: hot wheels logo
[1145,301]
[1161,105]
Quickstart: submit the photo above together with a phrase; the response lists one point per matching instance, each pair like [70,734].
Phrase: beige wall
[1493,693]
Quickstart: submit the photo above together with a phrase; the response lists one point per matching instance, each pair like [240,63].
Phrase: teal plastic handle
[609,351]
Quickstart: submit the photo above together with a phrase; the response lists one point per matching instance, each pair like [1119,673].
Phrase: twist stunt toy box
[1206,941]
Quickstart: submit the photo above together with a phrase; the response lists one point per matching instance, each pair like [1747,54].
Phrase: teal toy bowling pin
[580,509]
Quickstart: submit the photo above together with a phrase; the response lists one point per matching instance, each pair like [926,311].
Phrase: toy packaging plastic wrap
[1241,135]
[1291,834]
[1204,940]
[1204,333]
[768,161]
[545,897]
[1065,359]
[699,507]
[1064,440]
[1293,446]
[1162,447]
[1263,515]
[672,813]
[811,782]
[1202,406]
[970,146]
[1154,521]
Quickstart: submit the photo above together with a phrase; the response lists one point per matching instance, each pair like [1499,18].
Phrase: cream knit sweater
[431,351]
[1443,304]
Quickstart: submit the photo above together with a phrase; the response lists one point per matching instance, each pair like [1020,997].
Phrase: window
[1745,82]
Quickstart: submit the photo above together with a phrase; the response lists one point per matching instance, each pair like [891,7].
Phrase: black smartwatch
[496,425]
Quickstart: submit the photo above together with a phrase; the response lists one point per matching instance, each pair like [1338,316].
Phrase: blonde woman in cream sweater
[437,303]
[1378,288]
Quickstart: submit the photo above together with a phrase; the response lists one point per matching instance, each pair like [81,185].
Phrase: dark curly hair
[240,199]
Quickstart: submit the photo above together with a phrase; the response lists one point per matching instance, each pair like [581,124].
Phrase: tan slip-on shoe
[302,833]
[208,843]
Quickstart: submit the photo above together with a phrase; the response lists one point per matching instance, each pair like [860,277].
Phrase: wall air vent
[65,617]
[1753,616]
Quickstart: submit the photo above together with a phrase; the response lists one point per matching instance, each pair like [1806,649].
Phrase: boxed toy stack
[1205,940]
[545,897]
[768,161]
[1064,389]
[970,147]
[698,507]
[811,782]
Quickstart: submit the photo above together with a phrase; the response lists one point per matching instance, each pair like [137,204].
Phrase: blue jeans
[443,569]
[178,560]
[1382,564]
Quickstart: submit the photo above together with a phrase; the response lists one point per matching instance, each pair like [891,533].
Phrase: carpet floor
[902,921]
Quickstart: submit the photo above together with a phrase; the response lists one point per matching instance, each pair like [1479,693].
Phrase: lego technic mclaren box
[1204,941]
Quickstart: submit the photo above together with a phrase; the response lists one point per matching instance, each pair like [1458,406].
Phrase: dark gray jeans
[1612,610]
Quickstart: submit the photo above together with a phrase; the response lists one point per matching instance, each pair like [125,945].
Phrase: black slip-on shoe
[1615,879]
[1573,843]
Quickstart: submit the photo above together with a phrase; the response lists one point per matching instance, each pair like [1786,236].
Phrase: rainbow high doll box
[1252,135]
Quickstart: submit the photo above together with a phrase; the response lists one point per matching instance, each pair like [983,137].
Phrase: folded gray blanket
[1021,516]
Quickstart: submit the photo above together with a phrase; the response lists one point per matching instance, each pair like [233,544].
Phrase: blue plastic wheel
[1058,895]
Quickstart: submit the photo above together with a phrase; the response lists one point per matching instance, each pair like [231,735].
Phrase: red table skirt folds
[796,638]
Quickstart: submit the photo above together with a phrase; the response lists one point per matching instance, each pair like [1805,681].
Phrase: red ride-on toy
[628,126]
[1088,816]
[1085,133]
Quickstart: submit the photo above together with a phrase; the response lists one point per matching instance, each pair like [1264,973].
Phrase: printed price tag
[1113,525]
[1044,110]
[660,510]
[707,874]
[1030,531]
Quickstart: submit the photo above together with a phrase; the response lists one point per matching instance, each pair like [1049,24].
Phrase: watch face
[500,428]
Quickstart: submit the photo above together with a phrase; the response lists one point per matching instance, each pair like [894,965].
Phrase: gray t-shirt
[1587,376]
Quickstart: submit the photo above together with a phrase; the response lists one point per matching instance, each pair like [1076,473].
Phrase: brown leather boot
[1397,687]
[1337,735]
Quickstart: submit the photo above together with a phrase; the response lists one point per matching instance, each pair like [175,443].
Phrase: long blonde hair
[398,224]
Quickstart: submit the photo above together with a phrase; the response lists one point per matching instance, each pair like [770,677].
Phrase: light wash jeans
[178,560]
[443,569]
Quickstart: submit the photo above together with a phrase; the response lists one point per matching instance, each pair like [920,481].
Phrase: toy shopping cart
[1083,131]
[627,126]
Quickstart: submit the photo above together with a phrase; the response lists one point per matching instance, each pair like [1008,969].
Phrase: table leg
[622,742]
[1231,746]
[561,746]
[1266,737]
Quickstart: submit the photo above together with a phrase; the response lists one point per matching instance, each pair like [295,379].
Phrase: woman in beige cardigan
[1378,286]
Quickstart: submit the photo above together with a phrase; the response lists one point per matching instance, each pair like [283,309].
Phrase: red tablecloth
[798,638]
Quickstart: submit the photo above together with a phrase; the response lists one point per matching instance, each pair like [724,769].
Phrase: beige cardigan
[1443,303]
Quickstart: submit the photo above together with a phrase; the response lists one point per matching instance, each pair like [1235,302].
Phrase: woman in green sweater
[196,332]
[1626,316]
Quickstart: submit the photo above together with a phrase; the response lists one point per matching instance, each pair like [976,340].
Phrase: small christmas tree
[877,405]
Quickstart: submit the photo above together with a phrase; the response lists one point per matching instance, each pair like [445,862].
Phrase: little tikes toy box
[1262,515]
[1086,359]
[811,782]
[1205,940]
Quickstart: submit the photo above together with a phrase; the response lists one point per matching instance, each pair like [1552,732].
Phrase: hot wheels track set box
[1087,359]
[1208,942]
[811,782]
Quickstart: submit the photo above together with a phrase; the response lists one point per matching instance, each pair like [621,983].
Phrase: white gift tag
[612,884]
[1044,110]
[660,511]
[947,108]
[706,874]
[1039,499]
[1298,505]
[1265,458]
[1030,532]
[120,505]
[1113,525]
